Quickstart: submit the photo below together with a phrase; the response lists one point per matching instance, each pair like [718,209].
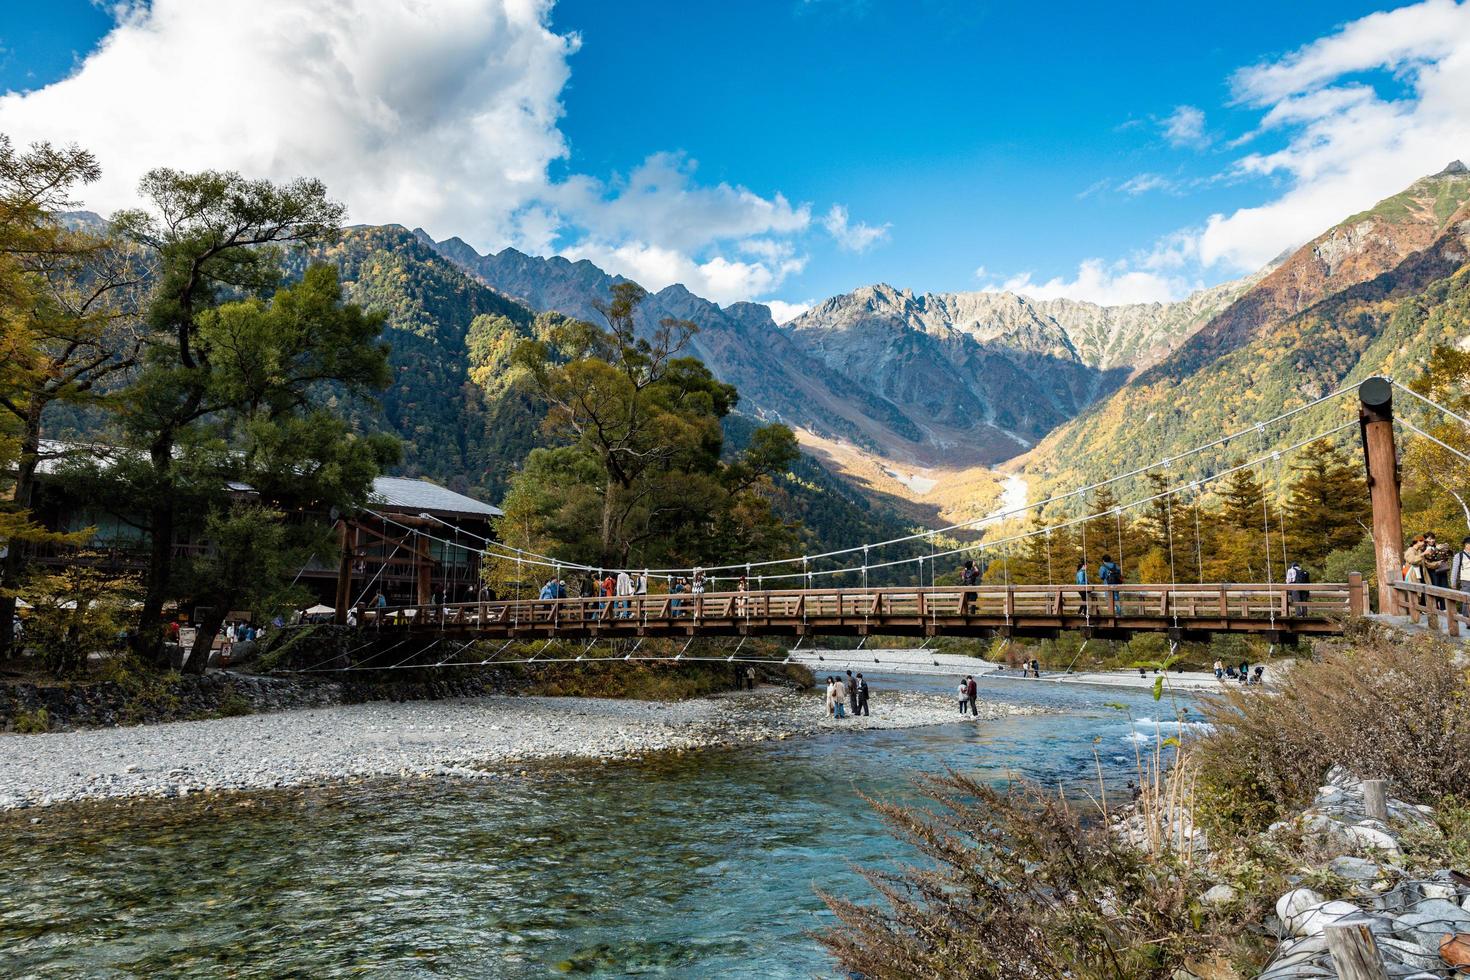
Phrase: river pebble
[457,737]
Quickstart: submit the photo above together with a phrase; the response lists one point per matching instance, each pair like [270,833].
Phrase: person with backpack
[1111,573]
[1296,574]
[969,575]
[1081,579]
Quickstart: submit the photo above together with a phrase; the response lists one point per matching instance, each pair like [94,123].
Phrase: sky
[779,150]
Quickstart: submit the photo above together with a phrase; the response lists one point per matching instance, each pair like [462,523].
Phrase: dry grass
[1385,706]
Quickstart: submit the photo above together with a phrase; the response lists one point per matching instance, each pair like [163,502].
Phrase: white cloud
[852,237]
[1347,144]
[1185,126]
[1345,121]
[442,114]
[1108,284]
[783,312]
[1143,183]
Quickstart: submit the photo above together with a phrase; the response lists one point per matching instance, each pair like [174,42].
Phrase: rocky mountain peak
[1453,168]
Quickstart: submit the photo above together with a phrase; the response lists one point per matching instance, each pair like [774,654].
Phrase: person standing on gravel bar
[862,697]
[972,694]
[839,696]
[852,693]
[964,692]
[831,692]
[750,678]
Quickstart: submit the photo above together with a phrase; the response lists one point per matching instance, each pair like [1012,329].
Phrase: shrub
[1382,705]
[1017,885]
[32,722]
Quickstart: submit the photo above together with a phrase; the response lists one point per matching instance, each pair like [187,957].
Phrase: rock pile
[1415,921]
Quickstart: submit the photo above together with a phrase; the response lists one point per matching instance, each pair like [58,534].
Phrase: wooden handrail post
[1354,953]
[1375,423]
[1375,799]
[1356,595]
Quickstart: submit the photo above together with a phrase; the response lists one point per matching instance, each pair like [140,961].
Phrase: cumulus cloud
[783,312]
[445,115]
[1185,126]
[1109,284]
[850,237]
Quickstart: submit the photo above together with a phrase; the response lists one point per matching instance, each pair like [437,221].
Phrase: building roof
[415,496]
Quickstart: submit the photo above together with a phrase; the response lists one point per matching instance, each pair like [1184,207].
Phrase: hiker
[1460,572]
[1258,673]
[852,693]
[1245,672]
[697,586]
[972,693]
[624,588]
[548,591]
[839,696]
[1036,668]
[1219,670]
[1436,565]
[750,677]
[1081,579]
[1111,573]
[969,575]
[680,586]
[964,693]
[741,601]
[862,697]
[1295,575]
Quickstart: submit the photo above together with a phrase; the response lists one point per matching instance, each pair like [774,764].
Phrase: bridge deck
[1184,611]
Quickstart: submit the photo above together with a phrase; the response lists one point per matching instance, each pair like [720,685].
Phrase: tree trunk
[211,618]
[13,568]
[148,642]
[609,506]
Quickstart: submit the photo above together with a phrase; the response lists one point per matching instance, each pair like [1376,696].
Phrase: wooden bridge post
[1375,422]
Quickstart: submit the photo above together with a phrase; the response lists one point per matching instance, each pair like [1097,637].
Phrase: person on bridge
[680,586]
[1294,575]
[972,694]
[624,588]
[1081,579]
[1111,573]
[852,693]
[1437,565]
[548,591]
[969,575]
[696,587]
[1460,571]
[862,697]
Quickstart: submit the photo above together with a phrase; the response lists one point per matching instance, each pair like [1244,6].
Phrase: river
[700,865]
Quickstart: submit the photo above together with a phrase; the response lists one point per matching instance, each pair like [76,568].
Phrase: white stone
[1313,920]
[1294,902]
[1218,895]
[1372,837]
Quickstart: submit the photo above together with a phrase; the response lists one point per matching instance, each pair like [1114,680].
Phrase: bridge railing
[1155,605]
[1438,607]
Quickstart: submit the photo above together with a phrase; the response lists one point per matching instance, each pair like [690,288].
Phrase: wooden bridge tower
[1375,422]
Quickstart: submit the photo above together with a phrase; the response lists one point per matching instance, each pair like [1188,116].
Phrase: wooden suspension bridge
[1277,611]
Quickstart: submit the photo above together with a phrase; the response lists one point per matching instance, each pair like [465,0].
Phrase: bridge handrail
[1412,599]
[1159,599]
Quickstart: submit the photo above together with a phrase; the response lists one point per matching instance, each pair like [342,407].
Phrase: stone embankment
[418,738]
[1419,922]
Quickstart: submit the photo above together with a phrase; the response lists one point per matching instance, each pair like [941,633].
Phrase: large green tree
[636,475]
[213,237]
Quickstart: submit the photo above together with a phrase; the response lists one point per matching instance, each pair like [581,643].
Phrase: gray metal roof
[420,495]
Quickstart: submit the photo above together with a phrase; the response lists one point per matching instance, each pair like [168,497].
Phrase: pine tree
[1111,532]
[1327,507]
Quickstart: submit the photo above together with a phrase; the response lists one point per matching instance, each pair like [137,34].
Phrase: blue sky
[1072,149]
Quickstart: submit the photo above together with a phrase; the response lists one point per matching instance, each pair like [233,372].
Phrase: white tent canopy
[320,610]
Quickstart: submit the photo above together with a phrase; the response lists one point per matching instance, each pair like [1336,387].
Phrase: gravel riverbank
[419,738]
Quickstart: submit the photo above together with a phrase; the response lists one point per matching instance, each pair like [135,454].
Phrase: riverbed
[690,865]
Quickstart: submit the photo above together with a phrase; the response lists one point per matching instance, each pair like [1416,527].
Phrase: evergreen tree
[1327,507]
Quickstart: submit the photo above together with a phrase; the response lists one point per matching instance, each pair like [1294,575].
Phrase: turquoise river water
[701,865]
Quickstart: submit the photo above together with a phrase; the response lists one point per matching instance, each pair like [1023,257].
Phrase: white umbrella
[320,610]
